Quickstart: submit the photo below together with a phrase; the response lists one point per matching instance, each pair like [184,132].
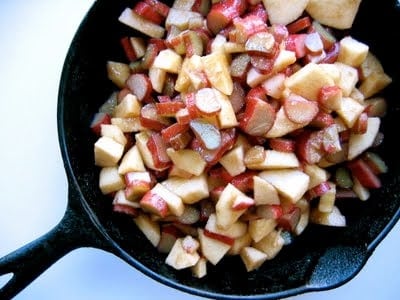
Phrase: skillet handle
[75,230]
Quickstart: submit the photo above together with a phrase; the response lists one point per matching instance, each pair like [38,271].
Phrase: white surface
[34,38]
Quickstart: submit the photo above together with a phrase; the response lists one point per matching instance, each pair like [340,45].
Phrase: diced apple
[113,132]
[260,228]
[282,125]
[358,143]
[137,184]
[169,234]
[157,78]
[236,230]
[118,73]
[180,18]
[304,217]
[350,111]
[128,124]
[120,199]
[107,152]
[110,180]
[271,244]
[190,190]
[180,259]
[131,161]
[199,270]
[276,160]
[284,59]
[284,12]
[252,258]
[129,107]
[339,14]
[150,229]
[348,78]
[131,19]
[317,175]
[187,160]
[174,202]
[333,218]
[308,81]
[264,192]
[226,116]
[240,242]
[217,70]
[289,183]
[212,249]
[225,215]
[327,200]
[233,161]
[374,83]
[169,61]
[352,52]
[332,70]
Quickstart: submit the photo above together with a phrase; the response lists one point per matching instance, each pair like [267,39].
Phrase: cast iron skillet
[321,258]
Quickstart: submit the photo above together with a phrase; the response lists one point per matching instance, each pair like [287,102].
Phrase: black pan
[321,258]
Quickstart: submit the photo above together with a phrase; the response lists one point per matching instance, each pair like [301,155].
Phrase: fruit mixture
[236,123]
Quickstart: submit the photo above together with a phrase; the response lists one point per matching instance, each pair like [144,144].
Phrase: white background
[34,38]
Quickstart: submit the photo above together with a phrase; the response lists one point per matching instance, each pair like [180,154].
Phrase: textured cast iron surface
[319,259]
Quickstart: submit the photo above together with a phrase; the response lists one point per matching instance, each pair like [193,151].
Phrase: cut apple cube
[212,249]
[239,244]
[199,270]
[348,78]
[137,184]
[264,192]
[350,111]
[169,61]
[233,161]
[226,116]
[358,143]
[110,180]
[308,81]
[128,124]
[252,258]
[190,190]
[374,83]
[179,258]
[317,175]
[236,230]
[352,52]
[271,244]
[131,161]
[217,70]
[327,200]
[284,12]
[304,217]
[260,228]
[157,78]
[276,160]
[129,107]
[107,152]
[291,184]
[284,59]
[174,202]
[150,229]
[113,132]
[187,160]
[333,218]
[141,143]
[226,216]
[361,191]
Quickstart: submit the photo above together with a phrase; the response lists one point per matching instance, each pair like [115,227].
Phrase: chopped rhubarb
[308,147]
[169,109]
[99,119]
[207,133]
[148,12]
[140,85]
[158,149]
[223,12]
[128,49]
[282,144]
[259,117]
[290,219]
[269,211]
[151,120]
[361,170]
[244,181]
[299,109]
[299,25]
[295,43]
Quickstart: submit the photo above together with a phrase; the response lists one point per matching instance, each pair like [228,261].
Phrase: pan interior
[85,86]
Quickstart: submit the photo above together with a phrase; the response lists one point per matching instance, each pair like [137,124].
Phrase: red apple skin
[289,220]
[155,204]
[241,205]
[219,237]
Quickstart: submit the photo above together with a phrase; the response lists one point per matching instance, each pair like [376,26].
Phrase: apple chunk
[187,160]
[226,216]
[284,12]
[179,258]
[107,152]
[252,258]
[191,190]
[292,184]
[131,162]
[360,142]
[264,192]
[150,228]
[212,249]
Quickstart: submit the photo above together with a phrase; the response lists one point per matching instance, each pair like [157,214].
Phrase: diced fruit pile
[237,123]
